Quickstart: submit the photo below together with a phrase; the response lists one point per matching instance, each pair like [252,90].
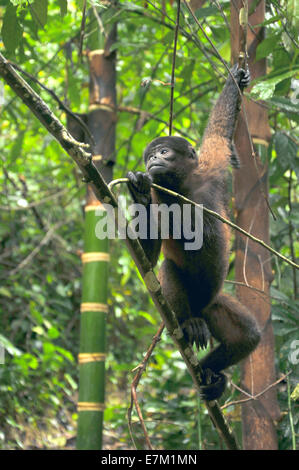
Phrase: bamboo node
[101,107]
[84,358]
[93,307]
[90,406]
[257,140]
[94,207]
[96,52]
[95,256]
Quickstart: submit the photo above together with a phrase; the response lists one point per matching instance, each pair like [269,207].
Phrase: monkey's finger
[188,331]
[197,340]
[244,77]
[132,178]
[200,337]
[145,183]
[245,80]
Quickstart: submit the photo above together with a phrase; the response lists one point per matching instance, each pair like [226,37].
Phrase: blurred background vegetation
[42,199]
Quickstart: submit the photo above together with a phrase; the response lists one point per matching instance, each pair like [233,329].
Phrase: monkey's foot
[196,331]
[213,385]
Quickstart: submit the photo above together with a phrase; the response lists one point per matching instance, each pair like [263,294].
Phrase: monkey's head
[170,160]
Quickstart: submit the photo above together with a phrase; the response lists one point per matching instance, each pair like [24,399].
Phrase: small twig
[62,105]
[190,37]
[36,203]
[173,64]
[218,55]
[253,397]
[99,20]
[34,252]
[140,369]
[82,28]
[222,13]
[213,214]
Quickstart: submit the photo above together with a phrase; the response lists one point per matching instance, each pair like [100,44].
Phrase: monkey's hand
[196,331]
[140,186]
[241,76]
[213,385]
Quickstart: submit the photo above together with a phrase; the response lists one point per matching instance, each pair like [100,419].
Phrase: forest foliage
[42,198]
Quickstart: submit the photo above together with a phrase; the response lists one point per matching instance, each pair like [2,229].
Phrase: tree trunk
[253,261]
[101,121]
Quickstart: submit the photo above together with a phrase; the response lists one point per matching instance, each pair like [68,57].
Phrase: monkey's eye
[163,151]
[192,153]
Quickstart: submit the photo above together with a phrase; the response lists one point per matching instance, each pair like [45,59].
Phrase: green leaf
[71,381]
[9,346]
[49,349]
[295,393]
[286,150]
[11,30]
[39,12]
[148,317]
[38,330]
[4,291]
[289,107]
[267,46]
[53,333]
[264,90]
[32,362]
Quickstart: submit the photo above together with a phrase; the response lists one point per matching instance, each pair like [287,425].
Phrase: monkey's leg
[238,334]
[175,290]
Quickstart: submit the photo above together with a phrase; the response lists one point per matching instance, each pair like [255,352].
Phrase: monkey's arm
[140,189]
[217,140]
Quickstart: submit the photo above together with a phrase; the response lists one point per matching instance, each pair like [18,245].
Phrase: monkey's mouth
[156,165]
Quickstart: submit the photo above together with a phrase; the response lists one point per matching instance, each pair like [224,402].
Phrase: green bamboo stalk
[95,259]
[92,337]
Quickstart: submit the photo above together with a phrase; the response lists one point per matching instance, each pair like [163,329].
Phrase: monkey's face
[169,160]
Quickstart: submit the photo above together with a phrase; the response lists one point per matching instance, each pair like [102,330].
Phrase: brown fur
[192,280]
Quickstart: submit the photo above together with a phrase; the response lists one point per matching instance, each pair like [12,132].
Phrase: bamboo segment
[101,122]
[92,336]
